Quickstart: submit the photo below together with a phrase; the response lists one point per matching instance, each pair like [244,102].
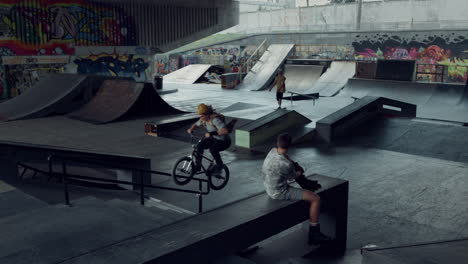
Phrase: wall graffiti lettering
[113,65]
[51,23]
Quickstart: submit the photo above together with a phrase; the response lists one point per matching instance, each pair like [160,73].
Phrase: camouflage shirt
[276,171]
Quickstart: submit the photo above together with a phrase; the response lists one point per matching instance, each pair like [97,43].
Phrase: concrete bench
[230,229]
[359,112]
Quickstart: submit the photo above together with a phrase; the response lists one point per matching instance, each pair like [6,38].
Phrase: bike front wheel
[217,181]
[183,171]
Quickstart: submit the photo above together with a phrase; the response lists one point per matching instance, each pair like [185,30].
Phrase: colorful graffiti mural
[165,63]
[113,65]
[47,26]
[434,50]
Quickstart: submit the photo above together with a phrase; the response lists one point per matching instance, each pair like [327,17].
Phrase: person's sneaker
[216,170]
[197,168]
[316,237]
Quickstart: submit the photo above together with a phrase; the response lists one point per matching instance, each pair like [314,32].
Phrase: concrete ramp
[53,94]
[448,102]
[335,78]
[265,69]
[264,130]
[411,92]
[117,99]
[301,78]
[188,74]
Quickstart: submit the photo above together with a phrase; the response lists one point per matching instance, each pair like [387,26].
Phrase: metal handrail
[249,60]
[64,175]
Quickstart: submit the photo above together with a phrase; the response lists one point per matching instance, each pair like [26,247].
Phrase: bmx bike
[184,169]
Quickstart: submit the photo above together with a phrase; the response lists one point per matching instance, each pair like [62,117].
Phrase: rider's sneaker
[197,168]
[316,237]
[216,170]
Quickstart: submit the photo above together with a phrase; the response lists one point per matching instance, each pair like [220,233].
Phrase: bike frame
[195,153]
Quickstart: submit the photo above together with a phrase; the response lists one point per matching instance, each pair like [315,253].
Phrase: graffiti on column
[33,28]
[113,65]
[3,89]
[448,50]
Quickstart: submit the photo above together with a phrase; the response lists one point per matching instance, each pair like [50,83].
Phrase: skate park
[84,180]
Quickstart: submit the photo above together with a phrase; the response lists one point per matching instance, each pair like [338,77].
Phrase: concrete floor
[408,180]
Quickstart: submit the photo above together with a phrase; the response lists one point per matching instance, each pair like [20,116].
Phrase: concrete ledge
[229,229]
[357,113]
[268,126]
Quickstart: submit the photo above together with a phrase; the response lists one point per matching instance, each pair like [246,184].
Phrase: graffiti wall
[450,50]
[165,63]
[115,64]
[21,77]
[324,52]
[229,56]
[49,27]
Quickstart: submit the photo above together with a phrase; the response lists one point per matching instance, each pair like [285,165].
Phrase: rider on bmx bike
[216,138]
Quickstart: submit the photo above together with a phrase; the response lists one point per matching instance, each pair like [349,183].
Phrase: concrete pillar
[358,14]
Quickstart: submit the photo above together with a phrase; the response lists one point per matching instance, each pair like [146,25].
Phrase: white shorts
[291,193]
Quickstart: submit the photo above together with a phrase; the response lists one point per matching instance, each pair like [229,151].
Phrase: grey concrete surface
[408,181]
[57,233]
[15,201]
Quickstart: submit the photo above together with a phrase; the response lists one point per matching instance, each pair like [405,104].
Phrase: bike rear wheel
[218,181]
[183,171]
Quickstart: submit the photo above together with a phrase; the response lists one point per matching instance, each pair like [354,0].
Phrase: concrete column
[358,14]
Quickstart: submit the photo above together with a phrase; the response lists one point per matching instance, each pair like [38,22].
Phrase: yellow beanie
[204,109]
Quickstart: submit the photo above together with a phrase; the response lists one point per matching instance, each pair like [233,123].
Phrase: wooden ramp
[118,99]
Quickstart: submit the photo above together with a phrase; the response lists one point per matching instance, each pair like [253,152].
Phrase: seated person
[277,169]
[216,139]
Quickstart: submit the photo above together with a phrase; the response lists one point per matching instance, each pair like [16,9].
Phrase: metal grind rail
[65,176]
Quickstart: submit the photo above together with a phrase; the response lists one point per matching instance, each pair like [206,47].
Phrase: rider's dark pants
[215,147]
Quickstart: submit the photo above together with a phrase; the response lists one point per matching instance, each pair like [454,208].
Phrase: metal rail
[64,161]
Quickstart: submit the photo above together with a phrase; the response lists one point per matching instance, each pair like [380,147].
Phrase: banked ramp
[53,94]
[335,78]
[118,99]
[188,74]
[301,78]
[265,69]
